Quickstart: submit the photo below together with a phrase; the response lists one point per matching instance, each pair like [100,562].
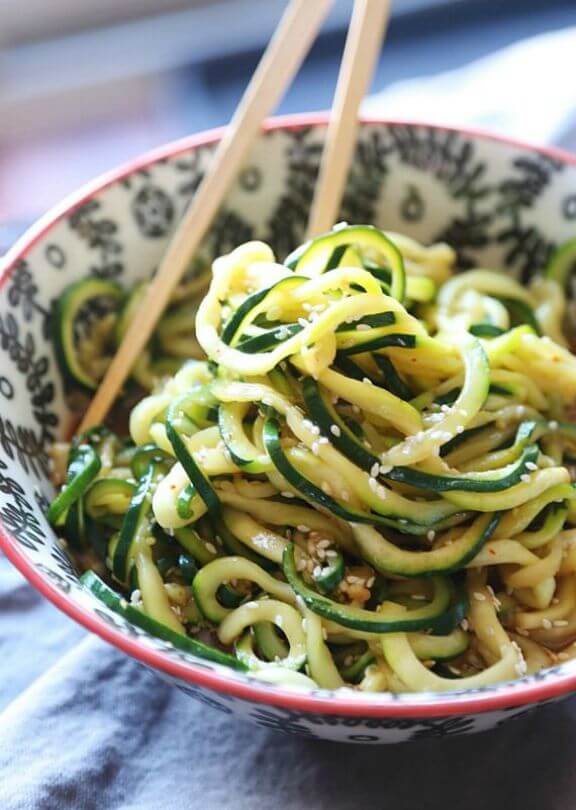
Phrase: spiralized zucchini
[360,477]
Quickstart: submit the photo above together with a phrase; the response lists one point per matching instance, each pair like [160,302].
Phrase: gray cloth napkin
[83,727]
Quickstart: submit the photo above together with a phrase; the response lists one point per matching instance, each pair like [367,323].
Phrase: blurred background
[87,84]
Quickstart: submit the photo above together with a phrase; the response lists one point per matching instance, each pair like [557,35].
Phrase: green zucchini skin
[390,559]
[241,451]
[331,574]
[251,307]
[194,473]
[83,467]
[110,598]
[365,620]
[351,447]
[486,330]
[325,252]
[562,263]
[68,306]
[137,522]
[393,382]
[311,492]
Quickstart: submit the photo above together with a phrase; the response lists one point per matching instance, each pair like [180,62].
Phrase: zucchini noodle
[354,470]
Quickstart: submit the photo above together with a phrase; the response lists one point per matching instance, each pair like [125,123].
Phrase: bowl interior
[499,204]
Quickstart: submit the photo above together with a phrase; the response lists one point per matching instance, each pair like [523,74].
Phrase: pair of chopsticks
[280,62]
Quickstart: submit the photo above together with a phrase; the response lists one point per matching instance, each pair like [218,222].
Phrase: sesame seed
[286,494]
[381,491]
[335,430]
[326,488]
[560,623]
[464,624]
[418,597]
[546,624]
[431,535]
[331,553]
[367,381]
[373,484]
[315,448]
[355,408]
[370,582]
[211,547]
[531,466]
[525,478]
[460,429]
[444,408]
[317,571]
[374,469]
[303,322]
[363,327]
[322,440]
[491,631]
[385,468]
[345,495]
[562,656]
[302,528]
[553,425]
[480,597]
[324,543]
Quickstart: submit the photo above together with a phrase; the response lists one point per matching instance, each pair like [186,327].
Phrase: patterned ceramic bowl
[501,204]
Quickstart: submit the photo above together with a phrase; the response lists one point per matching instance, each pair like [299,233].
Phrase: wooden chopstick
[363,45]
[284,55]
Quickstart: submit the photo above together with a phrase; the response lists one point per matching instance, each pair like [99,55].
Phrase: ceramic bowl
[501,204]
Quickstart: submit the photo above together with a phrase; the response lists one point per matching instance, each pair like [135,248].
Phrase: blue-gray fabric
[83,727]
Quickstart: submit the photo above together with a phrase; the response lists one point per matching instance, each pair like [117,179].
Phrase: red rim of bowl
[517,693]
